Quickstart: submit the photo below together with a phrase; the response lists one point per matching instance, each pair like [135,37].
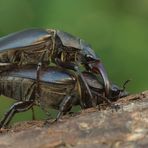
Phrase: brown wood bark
[127,127]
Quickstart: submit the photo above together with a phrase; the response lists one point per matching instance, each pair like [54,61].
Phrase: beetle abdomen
[14,87]
[54,85]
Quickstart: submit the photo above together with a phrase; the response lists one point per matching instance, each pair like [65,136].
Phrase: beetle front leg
[15,108]
[111,104]
[74,67]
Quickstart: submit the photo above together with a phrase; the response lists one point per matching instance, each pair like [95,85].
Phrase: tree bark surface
[91,128]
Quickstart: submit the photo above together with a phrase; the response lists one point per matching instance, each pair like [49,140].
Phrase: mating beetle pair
[41,47]
[35,46]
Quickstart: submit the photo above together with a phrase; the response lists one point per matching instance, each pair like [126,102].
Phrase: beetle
[36,46]
[59,89]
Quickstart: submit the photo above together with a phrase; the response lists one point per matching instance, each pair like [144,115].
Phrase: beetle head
[116,92]
[93,63]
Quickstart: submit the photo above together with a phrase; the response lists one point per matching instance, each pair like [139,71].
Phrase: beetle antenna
[125,83]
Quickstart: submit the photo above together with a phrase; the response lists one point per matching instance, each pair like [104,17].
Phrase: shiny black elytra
[58,89]
[34,46]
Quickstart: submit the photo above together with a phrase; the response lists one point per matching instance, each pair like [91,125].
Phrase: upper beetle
[32,46]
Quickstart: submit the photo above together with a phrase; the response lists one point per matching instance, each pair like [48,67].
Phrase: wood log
[91,128]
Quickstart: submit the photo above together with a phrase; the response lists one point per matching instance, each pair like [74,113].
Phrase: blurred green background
[117,31]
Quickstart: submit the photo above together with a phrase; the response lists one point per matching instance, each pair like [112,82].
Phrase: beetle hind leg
[18,107]
[15,108]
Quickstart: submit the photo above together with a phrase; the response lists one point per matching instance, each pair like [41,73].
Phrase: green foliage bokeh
[117,31]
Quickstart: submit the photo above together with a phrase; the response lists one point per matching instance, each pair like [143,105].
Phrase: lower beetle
[58,89]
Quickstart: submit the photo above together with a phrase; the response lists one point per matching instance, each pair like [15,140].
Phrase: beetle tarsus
[115,107]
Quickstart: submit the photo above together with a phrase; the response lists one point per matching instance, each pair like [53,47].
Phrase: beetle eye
[89,58]
[115,90]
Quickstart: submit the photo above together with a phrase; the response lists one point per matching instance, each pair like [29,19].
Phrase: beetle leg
[38,78]
[6,66]
[22,58]
[15,108]
[20,106]
[38,72]
[74,67]
[85,83]
[103,98]
[65,105]
[112,105]
[33,114]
